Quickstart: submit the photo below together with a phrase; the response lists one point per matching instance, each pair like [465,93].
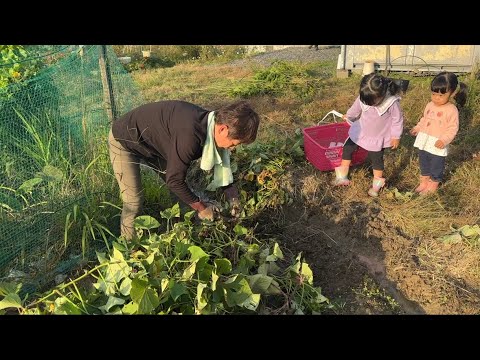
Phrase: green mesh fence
[58,197]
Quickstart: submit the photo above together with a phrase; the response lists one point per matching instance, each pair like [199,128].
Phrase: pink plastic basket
[317,141]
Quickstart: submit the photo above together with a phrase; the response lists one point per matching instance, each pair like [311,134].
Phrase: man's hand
[413,132]
[208,213]
[439,144]
[395,143]
[205,210]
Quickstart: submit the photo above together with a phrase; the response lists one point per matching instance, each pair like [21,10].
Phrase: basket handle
[335,115]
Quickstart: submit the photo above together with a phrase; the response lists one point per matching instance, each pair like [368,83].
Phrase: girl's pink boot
[423,183]
[432,186]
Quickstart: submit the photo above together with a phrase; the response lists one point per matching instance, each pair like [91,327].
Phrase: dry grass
[414,101]
[313,188]
[420,216]
[451,270]
[461,191]
[198,84]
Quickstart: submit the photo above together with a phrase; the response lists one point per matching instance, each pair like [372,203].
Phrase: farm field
[301,246]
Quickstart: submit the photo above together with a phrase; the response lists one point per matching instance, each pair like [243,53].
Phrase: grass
[189,82]
[372,293]
[52,178]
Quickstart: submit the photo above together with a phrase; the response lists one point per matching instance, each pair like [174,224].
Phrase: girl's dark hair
[241,119]
[374,88]
[447,82]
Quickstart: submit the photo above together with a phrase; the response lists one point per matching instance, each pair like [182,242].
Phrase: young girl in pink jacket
[377,123]
[437,128]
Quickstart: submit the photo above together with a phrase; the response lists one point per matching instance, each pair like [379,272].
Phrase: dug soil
[366,266]
[348,266]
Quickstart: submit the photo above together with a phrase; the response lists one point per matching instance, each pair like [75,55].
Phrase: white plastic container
[125,59]
[368,67]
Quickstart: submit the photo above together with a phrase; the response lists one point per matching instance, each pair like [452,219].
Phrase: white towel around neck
[217,158]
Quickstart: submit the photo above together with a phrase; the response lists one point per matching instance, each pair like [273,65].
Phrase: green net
[58,197]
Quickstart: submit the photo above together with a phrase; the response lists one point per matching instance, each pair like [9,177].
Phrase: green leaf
[268,268]
[146,222]
[118,268]
[117,311]
[476,228]
[177,290]
[252,250]
[101,257]
[126,286]
[117,255]
[138,289]
[451,239]
[215,278]
[307,273]
[319,298]
[233,281]
[130,309]
[274,288]
[204,270]
[11,301]
[150,258]
[468,231]
[189,271]
[188,216]
[145,297]
[222,266]
[273,268]
[240,230]
[181,249]
[174,211]
[149,302]
[277,252]
[28,185]
[271,257]
[244,265]
[218,296]
[201,302]
[52,173]
[118,246]
[252,302]
[241,295]
[296,267]
[65,307]
[8,288]
[112,301]
[196,252]
[107,287]
[398,195]
[164,283]
[263,269]
[259,283]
